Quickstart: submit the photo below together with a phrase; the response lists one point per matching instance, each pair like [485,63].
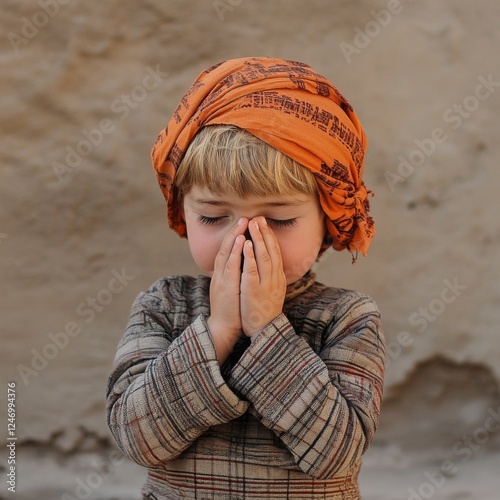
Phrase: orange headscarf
[293,109]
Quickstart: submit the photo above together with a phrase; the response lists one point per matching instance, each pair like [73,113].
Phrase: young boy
[254,381]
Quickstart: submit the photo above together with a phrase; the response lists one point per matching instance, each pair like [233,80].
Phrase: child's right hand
[224,322]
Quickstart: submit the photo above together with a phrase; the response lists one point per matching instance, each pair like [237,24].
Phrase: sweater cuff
[205,396]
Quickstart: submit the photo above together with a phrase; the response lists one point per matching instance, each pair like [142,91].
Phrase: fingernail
[240,221]
[264,221]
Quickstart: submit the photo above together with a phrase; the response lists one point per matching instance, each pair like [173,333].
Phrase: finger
[250,270]
[262,256]
[271,244]
[277,274]
[228,243]
[233,263]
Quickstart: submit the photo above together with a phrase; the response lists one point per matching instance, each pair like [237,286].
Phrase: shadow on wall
[460,403]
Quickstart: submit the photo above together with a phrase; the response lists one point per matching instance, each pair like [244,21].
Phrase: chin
[292,278]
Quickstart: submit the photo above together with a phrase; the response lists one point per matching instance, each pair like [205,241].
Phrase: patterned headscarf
[296,111]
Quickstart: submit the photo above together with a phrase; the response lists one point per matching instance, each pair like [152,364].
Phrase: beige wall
[424,78]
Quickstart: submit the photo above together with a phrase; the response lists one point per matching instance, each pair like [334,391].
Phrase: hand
[263,281]
[224,322]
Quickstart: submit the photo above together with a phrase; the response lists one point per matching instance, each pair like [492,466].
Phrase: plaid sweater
[287,416]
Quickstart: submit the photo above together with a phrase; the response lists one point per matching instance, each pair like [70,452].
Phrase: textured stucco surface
[83,221]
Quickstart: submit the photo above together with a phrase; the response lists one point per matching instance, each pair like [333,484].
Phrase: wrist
[220,329]
[223,339]
[257,329]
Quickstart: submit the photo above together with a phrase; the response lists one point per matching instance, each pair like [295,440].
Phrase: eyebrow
[220,203]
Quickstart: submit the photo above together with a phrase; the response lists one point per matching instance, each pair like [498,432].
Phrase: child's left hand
[263,281]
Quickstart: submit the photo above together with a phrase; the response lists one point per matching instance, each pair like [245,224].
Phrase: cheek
[299,253]
[204,247]
[202,253]
[297,260]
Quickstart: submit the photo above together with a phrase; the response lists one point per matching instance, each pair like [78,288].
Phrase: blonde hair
[226,158]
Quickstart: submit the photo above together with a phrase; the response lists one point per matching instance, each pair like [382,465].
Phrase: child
[254,380]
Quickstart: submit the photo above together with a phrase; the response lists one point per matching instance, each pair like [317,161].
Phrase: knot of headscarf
[293,109]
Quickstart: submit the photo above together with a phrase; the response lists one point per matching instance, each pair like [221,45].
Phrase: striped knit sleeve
[324,407]
[163,393]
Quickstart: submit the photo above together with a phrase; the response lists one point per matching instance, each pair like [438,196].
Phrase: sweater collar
[300,286]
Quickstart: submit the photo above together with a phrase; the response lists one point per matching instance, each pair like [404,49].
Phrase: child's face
[297,221]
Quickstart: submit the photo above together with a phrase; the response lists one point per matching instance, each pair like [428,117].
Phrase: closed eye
[209,220]
[283,222]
